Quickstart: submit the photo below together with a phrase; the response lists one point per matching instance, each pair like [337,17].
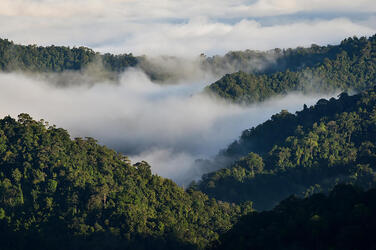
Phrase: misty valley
[252,149]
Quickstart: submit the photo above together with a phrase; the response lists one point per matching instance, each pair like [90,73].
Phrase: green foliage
[57,59]
[348,66]
[58,193]
[311,151]
[344,219]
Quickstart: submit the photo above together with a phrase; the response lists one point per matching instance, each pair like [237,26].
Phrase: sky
[185,27]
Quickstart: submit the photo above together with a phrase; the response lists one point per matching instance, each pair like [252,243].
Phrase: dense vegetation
[57,58]
[58,193]
[345,219]
[311,151]
[271,61]
[348,66]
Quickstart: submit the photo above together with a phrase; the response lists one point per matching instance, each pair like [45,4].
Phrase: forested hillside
[58,193]
[344,219]
[275,60]
[311,151]
[348,66]
[62,193]
[57,58]
[262,74]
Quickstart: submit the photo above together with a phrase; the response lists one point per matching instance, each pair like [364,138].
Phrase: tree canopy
[311,151]
[344,219]
[58,193]
[62,193]
[350,65]
[57,58]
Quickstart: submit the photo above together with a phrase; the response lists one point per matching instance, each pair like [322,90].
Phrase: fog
[175,69]
[170,126]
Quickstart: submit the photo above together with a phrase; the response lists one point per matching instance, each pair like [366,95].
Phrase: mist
[169,126]
[183,69]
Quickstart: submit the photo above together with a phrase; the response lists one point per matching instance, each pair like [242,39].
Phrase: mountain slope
[59,193]
[57,58]
[334,141]
[342,220]
[348,66]
[267,73]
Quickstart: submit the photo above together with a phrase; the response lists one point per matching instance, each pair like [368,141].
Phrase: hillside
[342,220]
[58,193]
[311,151]
[247,76]
[57,58]
[62,193]
[350,65]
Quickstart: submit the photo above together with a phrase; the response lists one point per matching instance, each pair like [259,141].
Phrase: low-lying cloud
[167,125]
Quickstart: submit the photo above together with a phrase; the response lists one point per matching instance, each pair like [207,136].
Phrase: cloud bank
[185,27]
[170,126]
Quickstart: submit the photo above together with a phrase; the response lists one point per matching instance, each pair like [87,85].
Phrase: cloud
[202,35]
[168,125]
[186,27]
[283,7]
[149,9]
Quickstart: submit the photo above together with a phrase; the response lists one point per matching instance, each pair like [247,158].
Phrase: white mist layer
[167,125]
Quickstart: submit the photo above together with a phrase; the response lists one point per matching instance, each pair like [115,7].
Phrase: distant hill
[248,76]
[57,58]
[351,65]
